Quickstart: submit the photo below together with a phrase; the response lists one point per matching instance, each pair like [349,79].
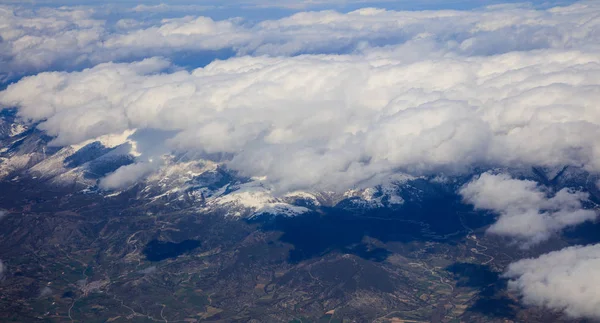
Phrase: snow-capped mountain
[182,181]
[27,153]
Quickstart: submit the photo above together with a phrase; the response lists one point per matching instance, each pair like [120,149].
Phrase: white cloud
[564,280]
[528,212]
[127,175]
[334,121]
[65,38]
[34,40]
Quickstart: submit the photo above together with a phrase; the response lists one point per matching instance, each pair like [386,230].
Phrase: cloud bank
[564,280]
[335,121]
[39,39]
[528,212]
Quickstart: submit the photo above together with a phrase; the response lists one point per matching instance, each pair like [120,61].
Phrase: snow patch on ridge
[255,199]
[112,141]
[17,129]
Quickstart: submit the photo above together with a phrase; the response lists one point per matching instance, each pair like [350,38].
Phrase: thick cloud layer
[34,40]
[565,280]
[338,120]
[333,122]
[528,212]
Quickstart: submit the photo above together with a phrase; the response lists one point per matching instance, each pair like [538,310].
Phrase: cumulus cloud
[127,175]
[527,211]
[334,121]
[564,280]
[34,40]
[39,39]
